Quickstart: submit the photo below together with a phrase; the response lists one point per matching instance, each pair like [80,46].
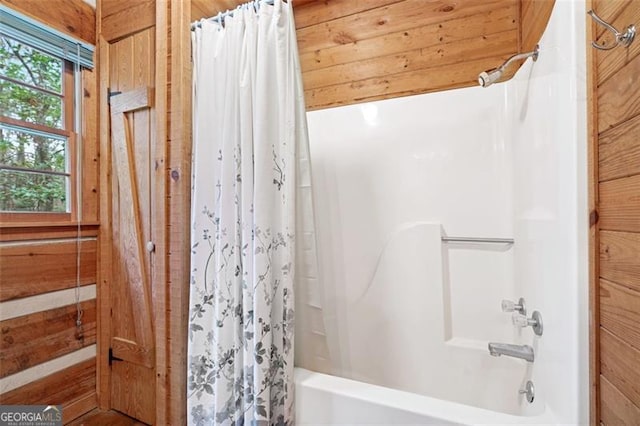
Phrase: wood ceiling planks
[355,50]
[407,47]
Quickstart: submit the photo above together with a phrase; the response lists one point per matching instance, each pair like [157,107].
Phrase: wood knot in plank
[175,175]
[343,38]
[23,361]
[447,8]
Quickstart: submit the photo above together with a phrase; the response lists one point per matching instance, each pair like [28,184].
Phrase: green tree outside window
[34,163]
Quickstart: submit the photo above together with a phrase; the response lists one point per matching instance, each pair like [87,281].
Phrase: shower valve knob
[535,321]
[509,306]
[520,320]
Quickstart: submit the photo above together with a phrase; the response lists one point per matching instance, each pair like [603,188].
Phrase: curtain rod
[220,17]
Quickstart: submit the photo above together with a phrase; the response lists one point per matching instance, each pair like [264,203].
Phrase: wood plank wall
[44,357]
[358,51]
[534,17]
[400,48]
[73,17]
[177,131]
[615,168]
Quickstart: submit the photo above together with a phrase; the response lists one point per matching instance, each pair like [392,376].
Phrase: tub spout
[517,351]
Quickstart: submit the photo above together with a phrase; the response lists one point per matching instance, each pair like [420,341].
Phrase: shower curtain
[250,160]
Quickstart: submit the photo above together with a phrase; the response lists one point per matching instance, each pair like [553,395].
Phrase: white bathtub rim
[414,403]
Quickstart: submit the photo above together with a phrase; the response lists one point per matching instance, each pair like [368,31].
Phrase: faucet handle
[509,306]
[535,322]
[520,320]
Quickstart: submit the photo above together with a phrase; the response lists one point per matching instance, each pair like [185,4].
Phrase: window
[37,154]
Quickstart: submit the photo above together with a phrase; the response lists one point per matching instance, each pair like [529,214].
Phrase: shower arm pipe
[478,240]
[533,54]
[487,78]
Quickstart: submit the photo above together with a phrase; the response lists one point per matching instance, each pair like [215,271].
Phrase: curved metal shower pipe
[487,78]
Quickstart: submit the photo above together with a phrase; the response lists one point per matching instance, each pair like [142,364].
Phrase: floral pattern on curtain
[249,131]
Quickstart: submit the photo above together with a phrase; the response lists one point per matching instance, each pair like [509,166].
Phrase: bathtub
[322,399]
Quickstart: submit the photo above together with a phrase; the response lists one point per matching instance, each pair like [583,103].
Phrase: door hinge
[113,358]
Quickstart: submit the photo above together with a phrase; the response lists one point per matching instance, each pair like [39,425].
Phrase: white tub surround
[395,307]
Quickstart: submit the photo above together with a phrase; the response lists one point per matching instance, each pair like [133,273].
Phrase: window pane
[29,65]
[32,192]
[30,105]
[32,151]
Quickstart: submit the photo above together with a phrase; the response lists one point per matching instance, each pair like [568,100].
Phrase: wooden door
[132,357]
[615,219]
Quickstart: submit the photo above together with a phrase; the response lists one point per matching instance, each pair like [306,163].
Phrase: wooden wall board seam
[619,255]
[617,312]
[401,16]
[624,412]
[56,271]
[619,151]
[38,337]
[413,60]
[317,12]
[502,19]
[79,407]
[129,19]
[420,81]
[45,301]
[72,17]
[36,235]
[54,389]
[618,361]
[620,204]
[44,241]
[619,98]
[610,61]
[33,374]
